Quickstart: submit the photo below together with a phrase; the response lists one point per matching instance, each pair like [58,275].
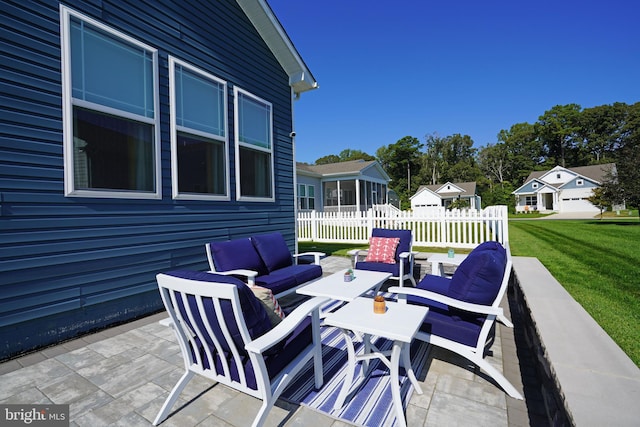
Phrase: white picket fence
[435,228]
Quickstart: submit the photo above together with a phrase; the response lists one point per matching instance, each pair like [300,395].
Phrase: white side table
[438,260]
[400,324]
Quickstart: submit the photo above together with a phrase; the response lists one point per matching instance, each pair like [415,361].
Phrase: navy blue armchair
[401,268]
[464,308]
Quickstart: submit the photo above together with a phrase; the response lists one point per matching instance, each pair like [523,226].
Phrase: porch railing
[435,228]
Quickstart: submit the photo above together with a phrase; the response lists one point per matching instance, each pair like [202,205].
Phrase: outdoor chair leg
[262,413]
[506,322]
[173,396]
[497,377]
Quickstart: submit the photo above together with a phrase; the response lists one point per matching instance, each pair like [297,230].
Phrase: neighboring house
[430,196]
[132,133]
[355,185]
[561,189]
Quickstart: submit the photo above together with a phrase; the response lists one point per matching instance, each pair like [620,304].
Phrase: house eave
[264,20]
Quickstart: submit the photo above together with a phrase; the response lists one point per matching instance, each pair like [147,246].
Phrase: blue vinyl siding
[574,184]
[69,265]
[528,187]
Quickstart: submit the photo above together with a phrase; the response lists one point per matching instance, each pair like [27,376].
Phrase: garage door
[577,205]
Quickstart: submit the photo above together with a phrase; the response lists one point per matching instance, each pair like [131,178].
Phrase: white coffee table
[438,260]
[336,288]
[399,323]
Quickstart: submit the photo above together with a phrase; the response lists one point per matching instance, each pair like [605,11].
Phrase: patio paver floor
[121,376]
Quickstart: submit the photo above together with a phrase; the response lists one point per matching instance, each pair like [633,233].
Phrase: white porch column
[358,194]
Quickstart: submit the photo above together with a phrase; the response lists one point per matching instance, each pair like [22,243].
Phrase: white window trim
[67,111]
[238,144]
[174,128]
[307,197]
[580,182]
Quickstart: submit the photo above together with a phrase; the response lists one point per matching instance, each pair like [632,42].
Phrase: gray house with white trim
[561,189]
[356,185]
[134,131]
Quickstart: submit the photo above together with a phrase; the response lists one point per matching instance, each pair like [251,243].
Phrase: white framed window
[306,197]
[109,111]
[199,141]
[580,182]
[534,185]
[254,147]
[531,200]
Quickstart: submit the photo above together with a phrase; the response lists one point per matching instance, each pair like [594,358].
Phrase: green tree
[626,180]
[558,130]
[345,156]
[601,129]
[434,163]
[499,195]
[493,160]
[524,152]
[599,200]
[331,158]
[401,161]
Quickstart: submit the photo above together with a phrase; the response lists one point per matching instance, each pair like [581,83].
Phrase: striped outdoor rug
[371,403]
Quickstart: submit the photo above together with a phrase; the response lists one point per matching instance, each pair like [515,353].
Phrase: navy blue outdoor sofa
[264,260]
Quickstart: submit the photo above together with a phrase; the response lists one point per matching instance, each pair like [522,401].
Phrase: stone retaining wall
[587,380]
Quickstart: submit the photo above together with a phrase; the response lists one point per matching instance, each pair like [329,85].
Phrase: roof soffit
[444,187]
[276,38]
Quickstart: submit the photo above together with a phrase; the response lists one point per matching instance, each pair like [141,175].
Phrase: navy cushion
[255,316]
[236,254]
[404,235]
[256,321]
[490,245]
[404,246]
[294,344]
[436,284]
[278,281]
[394,269]
[273,250]
[464,328]
[303,273]
[479,276]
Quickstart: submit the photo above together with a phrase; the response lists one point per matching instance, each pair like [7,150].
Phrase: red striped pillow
[382,249]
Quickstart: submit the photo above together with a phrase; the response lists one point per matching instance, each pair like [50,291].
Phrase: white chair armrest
[316,256]
[249,274]
[355,253]
[452,302]
[409,255]
[284,328]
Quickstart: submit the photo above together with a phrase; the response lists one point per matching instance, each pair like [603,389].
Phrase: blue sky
[388,69]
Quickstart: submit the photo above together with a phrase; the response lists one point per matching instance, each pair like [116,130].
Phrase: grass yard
[597,262]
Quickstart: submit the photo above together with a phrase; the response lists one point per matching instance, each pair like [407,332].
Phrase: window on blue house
[254,147]
[199,148]
[111,132]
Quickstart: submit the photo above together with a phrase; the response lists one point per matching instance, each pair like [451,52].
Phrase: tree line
[565,135]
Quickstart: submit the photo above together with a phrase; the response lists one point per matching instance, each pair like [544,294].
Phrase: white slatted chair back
[219,325]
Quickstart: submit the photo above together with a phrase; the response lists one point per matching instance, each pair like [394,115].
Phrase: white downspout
[295,172]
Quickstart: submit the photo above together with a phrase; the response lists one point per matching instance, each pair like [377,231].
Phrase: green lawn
[598,263]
